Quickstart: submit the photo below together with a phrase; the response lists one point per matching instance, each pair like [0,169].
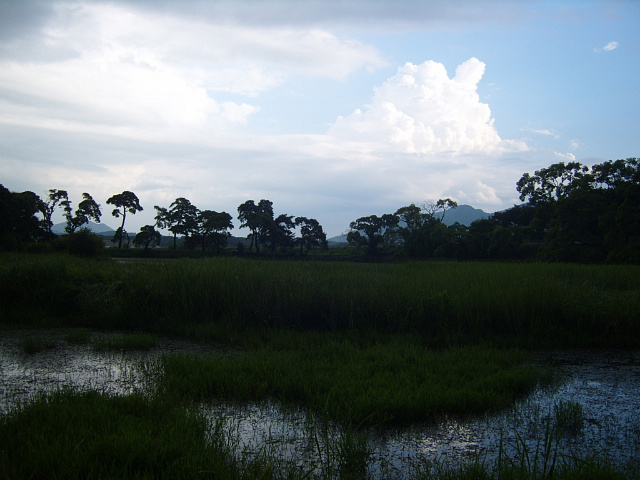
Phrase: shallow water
[605,384]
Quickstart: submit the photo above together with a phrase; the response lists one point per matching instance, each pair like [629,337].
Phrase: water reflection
[603,385]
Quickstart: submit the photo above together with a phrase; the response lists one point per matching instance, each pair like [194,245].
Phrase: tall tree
[442,205]
[371,231]
[183,218]
[124,202]
[415,227]
[213,229]
[311,234]
[18,221]
[87,210]
[553,182]
[258,218]
[48,206]
[281,232]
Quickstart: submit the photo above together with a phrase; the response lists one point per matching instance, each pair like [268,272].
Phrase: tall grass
[78,435]
[529,305]
[543,459]
[401,382]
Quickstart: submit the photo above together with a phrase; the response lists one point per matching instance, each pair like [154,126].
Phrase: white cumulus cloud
[421,110]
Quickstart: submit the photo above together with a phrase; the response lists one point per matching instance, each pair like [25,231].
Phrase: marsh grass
[397,381]
[542,460]
[74,435]
[568,418]
[446,303]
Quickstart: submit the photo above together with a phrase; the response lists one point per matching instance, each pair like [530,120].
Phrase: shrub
[83,243]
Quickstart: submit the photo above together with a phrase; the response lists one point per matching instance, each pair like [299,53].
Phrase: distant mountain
[463,214]
[58,228]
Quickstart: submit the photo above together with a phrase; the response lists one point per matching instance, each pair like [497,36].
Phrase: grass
[445,303]
[542,460]
[361,343]
[78,435]
[398,380]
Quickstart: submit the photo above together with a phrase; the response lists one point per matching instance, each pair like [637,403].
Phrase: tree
[18,221]
[414,229]
[213,229]
[554,182]
[147,236]
[421,231]
[311,234]
[87,210]
[281,232]
[124,202]
[257,218]
[371,231]
[48,206]
[182,218]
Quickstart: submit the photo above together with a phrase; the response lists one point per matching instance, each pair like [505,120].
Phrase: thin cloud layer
[422,110]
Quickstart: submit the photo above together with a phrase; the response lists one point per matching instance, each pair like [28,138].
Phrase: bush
[83,243]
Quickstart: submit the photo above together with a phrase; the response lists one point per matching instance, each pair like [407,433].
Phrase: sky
[333,110]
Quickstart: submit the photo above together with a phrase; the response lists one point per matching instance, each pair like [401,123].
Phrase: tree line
[570,212]
[27,218]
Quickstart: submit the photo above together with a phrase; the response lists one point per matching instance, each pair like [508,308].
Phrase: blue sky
[330,109]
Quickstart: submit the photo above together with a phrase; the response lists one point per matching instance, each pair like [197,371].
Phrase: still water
[604,385]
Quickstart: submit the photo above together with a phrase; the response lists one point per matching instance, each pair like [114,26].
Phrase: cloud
[107,68]
[608,47]
[565,157]
[107,97]
[422,110]
[547,132]
[387,15]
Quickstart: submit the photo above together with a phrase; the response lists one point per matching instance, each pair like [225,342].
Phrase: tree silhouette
[148,235]
[18,221]
[87,210]
[124,202]
[48,206]
[311,234]
[371,231]
[257,218]
[213,229]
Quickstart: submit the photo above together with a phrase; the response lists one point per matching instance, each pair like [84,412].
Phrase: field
[362,344]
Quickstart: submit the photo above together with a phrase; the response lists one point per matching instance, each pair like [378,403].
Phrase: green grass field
[528,305]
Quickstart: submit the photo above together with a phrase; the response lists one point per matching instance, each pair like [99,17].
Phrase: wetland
[434,384]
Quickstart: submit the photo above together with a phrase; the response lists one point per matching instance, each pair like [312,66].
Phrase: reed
[78,435]
[398,381]
[526,305]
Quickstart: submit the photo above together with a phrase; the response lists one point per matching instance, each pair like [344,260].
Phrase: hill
[58,228]
[464,215]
